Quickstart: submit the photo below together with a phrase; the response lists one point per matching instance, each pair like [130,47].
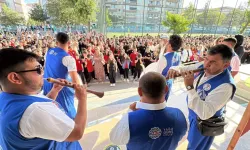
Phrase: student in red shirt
[80,70]
[133,56]
[71,52]
[90,68]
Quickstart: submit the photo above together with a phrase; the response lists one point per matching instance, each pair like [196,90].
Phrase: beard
[33,85]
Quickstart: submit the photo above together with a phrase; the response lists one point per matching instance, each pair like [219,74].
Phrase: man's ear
[139,91]
[14,78]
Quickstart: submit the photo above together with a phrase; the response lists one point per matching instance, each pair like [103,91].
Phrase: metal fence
[146,16]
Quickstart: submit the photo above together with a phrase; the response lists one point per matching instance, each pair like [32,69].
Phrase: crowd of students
[99,58]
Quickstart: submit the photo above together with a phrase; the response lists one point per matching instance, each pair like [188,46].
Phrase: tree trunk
[89,26]
[244,27]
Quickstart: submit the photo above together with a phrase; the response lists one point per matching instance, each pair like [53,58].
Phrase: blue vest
[55,69]
[12,107]
[196,140]
[230,68]
[173,59]
[156,129]
[205,88]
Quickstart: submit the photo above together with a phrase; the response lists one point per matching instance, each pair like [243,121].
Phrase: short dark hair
[240,39]
[153,85]
[12,58]
[231,40]
[62,37]
[225,51]
[176,42]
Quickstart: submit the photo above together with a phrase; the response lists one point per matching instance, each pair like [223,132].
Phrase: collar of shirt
[206,78]
[141,105]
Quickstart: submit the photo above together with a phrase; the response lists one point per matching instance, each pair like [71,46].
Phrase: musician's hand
[80,92]
[133,106]
[57,87]
[188,78]
[172,73]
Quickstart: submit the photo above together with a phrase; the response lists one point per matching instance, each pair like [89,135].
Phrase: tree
[38,14]
[108,20]
[246,23]
[176,23]
[71,12]
[31,22]
[210,17]
[234,17]
[189,12]
[9,17]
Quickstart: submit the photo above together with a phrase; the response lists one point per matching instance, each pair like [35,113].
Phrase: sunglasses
[39,70]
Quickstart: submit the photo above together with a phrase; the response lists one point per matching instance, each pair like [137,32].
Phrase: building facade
[138,15]
[17,5]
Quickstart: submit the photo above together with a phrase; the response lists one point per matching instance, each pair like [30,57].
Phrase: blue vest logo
[112,147]
[168,132]
[207,87]
[154,133]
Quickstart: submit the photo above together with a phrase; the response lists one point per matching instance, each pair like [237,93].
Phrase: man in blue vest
[170,58]
[213,89]
[150,125]
[234,67]
[59,64]
[29,120]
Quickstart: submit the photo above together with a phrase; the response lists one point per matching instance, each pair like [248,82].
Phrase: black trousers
[91,75]
[132,70]
[81,74]
[112,76]
[126,70]
[137,73]
[106,70]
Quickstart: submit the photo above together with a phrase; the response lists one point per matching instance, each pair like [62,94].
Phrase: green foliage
[189,13]
[238,18]
[31,22]
[246,22]
[176,23]
[108,20]
[8,17]
[71,12]
[38,14]
[211,17]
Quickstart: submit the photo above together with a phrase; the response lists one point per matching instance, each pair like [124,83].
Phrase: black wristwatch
[190,87]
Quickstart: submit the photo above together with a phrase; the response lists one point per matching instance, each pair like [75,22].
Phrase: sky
[30,1]
[216,3]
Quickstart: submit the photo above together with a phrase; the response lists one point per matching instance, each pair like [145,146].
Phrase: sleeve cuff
[191,94]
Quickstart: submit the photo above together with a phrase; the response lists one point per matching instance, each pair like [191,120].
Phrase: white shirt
[70,63]
[120,134]
[184,55]
[45,120]
[67,61]
[214,101]
[235,63]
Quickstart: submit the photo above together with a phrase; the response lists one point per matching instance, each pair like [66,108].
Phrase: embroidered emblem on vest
[51,52]
[168,132]
[154,133]
[207,87]
[202,94]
